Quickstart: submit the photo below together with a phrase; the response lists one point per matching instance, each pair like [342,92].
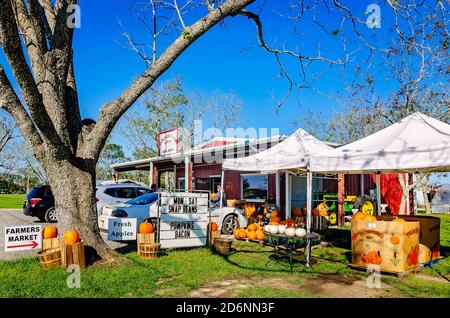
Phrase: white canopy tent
[418,143]
[291,155]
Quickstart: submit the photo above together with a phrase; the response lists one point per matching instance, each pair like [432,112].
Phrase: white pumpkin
[267,228]
[290,231]
[281,228]
[300,232]
[273,229]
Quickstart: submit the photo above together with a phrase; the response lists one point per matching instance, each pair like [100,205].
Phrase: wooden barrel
[50,258]
[222,246]
[149,250]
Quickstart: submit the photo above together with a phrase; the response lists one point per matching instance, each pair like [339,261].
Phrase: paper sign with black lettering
[184,219]
[23,238]
[122,229]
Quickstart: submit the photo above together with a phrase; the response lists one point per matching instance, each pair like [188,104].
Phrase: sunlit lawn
[11,201]
[184,273]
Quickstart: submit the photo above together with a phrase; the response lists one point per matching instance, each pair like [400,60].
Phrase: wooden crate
[73,254]
[50,258]
[50,243]
[145,239]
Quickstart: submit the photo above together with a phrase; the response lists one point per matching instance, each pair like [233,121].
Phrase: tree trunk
[73,187]
[425,199]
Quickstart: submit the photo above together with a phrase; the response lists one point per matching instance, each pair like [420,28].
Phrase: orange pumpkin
[214,227]
[260,235]
[50,232]
[260,228]
[297,212]
[145,228]
[71,237]
[276,219]
[395,240]
[274,214]
[323,213]
[251,235]
[252,227]
[370,218]
[398,220]
[236,233]
[242,234]
[359,216]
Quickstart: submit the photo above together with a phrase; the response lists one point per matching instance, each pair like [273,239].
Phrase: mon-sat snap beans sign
[23,238]
[122,229]
[184,219]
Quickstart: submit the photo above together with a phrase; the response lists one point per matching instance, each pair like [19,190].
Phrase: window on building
[254,187]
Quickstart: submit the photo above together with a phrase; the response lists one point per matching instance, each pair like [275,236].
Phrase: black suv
[41,204]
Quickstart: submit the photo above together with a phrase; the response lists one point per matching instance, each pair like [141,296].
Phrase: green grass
[11,201]
[200,272]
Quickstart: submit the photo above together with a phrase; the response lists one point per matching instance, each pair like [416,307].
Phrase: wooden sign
[184,218]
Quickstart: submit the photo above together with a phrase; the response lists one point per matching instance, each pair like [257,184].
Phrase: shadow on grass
[337,237]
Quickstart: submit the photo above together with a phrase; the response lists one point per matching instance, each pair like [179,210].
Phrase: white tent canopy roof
[292,153]
[418,143]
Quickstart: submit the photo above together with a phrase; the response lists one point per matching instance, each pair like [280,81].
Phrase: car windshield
[144,199]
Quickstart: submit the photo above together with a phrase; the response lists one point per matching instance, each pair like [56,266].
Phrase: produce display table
[290,250]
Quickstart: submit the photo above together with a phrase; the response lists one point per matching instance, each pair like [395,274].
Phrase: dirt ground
[324,286]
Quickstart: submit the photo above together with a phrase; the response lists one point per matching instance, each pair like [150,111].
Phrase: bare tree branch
[110,113]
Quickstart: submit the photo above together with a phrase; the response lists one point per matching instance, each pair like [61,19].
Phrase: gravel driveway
[15,217]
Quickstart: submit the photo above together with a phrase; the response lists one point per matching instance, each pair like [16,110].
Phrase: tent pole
[308,215]
[288,194]
[378,193]
[408,207]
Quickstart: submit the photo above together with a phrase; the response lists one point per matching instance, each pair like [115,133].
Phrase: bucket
[50,258]
[149,250]
[222,246]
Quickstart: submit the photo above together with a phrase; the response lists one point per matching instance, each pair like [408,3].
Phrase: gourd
[242,234]
[252,227]
[290,231]
[273,229]
[50,232]
[359,216]
[267,228]
[260,235]
[300,232]
[281,229]
[214,227]
[370,218]
[147,228]
[71,237]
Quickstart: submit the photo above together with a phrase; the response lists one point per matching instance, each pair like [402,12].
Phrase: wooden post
[191,165]
[341,190]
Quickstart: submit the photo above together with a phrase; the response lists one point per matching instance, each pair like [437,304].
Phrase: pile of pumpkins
[367,217]
[252,232]
[69,237]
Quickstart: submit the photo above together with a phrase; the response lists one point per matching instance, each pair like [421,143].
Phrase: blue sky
[226,59]
[218,61]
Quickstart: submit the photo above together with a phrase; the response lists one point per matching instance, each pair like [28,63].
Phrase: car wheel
[50,216]
[229,224]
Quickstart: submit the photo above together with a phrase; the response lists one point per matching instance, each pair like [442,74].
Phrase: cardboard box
[393,246]
[429,239]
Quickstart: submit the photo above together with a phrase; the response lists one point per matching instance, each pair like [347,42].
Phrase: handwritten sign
[23,238]
[122,229]
[184,219]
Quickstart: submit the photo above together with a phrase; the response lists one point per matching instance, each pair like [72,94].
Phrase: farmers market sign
[184,219]
[23,238]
